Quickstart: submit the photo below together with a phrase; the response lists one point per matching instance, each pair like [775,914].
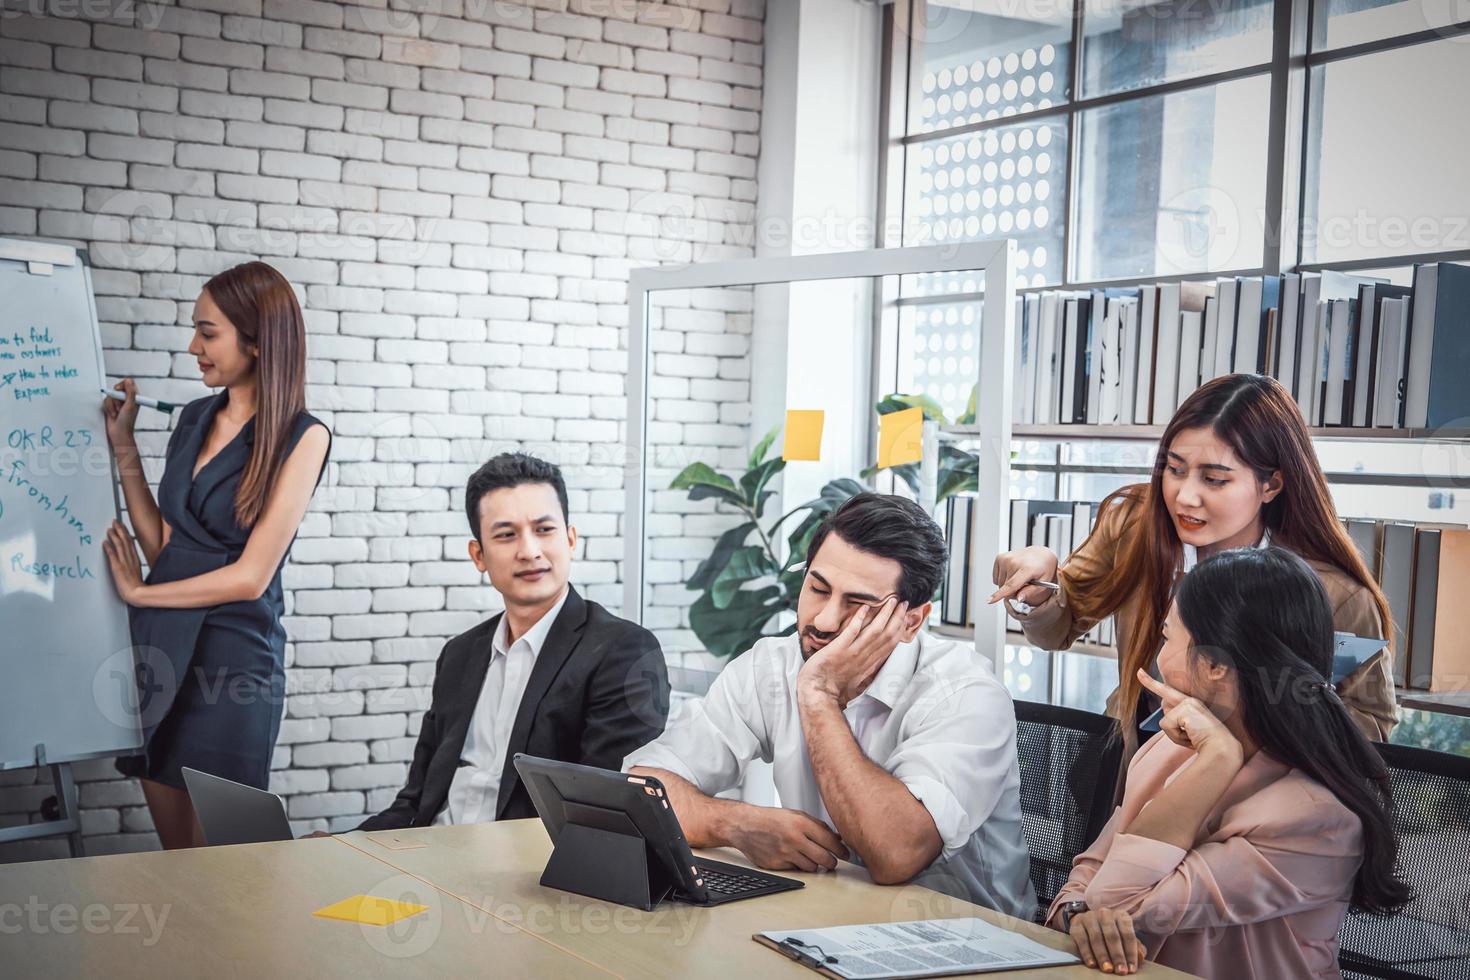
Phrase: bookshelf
[1374,470]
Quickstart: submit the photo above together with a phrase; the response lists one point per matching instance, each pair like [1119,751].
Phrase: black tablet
[597,819]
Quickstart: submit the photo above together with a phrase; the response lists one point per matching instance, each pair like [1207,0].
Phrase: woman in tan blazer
[1235,468]
[1259,814]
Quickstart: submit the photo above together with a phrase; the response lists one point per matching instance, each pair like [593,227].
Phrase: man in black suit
[554,676]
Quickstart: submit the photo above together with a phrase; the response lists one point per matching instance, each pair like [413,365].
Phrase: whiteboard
[66,658]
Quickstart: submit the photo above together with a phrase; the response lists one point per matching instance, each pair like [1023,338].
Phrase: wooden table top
[496,867]
[246,911]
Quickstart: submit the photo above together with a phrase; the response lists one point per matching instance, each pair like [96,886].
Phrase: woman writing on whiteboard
[1235,468]
[240,469]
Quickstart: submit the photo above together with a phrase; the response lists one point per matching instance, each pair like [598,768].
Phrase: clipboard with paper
[926,948]
[1350,653]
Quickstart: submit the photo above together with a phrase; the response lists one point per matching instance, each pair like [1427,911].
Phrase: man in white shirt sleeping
[892,748]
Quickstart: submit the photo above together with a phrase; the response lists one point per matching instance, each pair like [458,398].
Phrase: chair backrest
[1069,766]
[1430,937]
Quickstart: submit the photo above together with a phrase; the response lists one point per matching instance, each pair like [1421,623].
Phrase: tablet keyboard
[726,883]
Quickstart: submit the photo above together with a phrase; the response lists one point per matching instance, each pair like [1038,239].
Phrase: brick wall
[458,189]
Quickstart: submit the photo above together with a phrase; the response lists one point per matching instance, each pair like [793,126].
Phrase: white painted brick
[460,221]
[258,30]
[666,63]
[555,72]
[360,728]
[456,131]
[501,64]
[570,121]
[705,45]
[598,53]
[46,84]
[349,94]
[320,13]
[634,83]
[78,170]
[232,54]
[636,35]
[527,42]
[308,805]
[347,43]
[50,30]
[265,136]
[426,104]
[215,105]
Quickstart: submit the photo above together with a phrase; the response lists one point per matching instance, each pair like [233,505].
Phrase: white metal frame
[996,258]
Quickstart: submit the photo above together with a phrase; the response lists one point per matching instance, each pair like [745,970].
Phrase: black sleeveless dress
[211,681]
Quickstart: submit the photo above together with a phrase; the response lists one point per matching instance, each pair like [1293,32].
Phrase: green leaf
[753,482]
[734,629]
[898,402]
[758,454]
[701,474]
[746,565]
[711,567]
[703,482]
[959,472]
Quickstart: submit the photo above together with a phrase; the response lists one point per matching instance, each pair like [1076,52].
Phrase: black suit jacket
[597,691]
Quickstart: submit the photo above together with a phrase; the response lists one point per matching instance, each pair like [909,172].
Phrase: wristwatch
[1068,910]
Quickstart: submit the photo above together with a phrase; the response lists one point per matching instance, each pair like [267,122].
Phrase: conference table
[247,911]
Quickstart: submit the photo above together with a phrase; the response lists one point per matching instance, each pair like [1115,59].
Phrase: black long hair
[1264,613]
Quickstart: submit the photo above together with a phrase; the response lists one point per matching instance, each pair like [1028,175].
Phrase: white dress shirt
[1190,554]
[475,789]
[935,717]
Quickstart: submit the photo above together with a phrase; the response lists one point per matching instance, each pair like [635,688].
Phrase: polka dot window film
[1006,182]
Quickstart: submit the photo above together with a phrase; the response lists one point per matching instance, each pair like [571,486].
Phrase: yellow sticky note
[900,437]
[803,434]
[369,910]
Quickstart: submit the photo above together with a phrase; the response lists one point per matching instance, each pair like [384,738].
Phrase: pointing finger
[1167,694]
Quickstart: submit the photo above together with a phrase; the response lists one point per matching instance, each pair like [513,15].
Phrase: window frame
[1289,137]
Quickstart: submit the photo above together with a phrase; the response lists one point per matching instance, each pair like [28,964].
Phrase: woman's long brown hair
[1261,423]
[261,304]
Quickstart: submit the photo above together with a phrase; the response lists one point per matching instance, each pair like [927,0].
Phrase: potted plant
[745,583]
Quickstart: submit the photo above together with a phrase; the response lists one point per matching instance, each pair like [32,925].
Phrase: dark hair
[890,527]
[511,470]
[260,304]
[1261,423]
[1265,613]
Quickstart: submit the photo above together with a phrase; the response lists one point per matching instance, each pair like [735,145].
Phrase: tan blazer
[1368,692]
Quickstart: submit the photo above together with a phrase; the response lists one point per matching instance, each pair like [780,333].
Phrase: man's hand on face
[844,668]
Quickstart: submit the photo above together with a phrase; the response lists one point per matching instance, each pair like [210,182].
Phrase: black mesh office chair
[1430,938]
[1069,765]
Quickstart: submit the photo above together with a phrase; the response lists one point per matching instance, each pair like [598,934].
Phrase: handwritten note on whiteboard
[66,655]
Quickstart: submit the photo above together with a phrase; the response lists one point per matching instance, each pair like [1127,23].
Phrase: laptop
[633,807]
[233,813]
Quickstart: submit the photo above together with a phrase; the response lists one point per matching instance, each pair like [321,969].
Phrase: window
[1126,140]
[1390,174]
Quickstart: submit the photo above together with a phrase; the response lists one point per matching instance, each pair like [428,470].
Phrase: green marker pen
[118,396]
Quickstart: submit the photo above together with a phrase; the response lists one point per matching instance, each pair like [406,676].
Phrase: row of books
[1422,569]
[1058,525]
[1353,351]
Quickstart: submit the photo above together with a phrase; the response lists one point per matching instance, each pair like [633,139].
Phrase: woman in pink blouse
[1259,814]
